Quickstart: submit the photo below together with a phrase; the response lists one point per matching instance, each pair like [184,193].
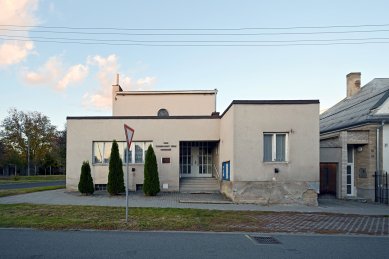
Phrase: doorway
[328,178]
[196,158]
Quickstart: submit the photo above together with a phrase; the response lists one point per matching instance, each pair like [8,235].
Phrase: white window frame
[351,164]
[274,146]
[143,144]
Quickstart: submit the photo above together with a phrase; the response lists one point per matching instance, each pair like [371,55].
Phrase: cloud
[74,75]
[14,52]
[21,13]
[46,74]
[108,68]
[144,83]
[53,74]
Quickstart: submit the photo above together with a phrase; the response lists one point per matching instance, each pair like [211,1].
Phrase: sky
[38,72]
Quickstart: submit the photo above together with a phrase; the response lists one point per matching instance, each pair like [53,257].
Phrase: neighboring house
[256,151]
[354,138]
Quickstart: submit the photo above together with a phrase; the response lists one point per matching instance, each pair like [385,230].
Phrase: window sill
[275,162]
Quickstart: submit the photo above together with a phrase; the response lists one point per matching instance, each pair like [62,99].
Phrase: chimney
[353,83]
[115,89]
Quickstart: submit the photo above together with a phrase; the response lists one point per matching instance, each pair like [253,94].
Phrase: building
[354,137]
[255,151]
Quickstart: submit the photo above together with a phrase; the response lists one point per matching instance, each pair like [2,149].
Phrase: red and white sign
[129,134]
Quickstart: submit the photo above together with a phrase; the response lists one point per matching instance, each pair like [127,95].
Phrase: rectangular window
[98,149]
[275,147]
[107,151]
[136,154]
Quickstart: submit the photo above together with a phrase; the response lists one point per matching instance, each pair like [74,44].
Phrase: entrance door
[195,162]
[328,178]
[196,158]
[350,171]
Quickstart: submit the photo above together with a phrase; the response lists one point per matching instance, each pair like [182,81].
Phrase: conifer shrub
[85,186]
[115,175]
[151,179]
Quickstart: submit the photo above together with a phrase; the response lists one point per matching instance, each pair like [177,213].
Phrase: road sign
[129,134]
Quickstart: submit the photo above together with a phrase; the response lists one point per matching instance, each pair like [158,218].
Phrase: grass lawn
[57,217]
[31,179]
[9,192]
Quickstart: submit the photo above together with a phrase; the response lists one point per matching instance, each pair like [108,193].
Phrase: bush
[151,179]
[85,186]
[115,175]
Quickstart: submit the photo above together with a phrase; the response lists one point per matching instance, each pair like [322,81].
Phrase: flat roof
[167,92]
[183,117]
[269,102]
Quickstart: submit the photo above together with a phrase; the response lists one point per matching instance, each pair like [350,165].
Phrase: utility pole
[28,156]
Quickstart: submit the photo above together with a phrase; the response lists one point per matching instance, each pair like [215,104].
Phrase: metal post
[376,186]
[127,187]
[28,156]
[386,188]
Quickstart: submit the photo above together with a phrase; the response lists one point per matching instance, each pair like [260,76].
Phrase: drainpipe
[379,140]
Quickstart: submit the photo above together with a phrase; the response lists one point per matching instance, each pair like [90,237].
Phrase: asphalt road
[31,185]
[24,243]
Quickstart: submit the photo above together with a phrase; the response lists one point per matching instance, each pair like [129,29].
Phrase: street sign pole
[128,151]
[129,134]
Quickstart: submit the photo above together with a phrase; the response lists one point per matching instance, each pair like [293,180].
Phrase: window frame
[121,145]
[274,147]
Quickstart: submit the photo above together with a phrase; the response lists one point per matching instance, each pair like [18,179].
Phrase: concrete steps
[199,185]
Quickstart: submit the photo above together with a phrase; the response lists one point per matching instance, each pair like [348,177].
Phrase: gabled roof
[357,109]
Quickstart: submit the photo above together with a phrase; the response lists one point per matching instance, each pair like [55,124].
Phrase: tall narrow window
[98,149]
[138,152]
[280,147]
[267,147]
[350,171]
[107,151]
[275,147]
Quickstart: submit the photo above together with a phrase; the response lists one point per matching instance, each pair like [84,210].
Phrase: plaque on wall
[362,173]
[165,160]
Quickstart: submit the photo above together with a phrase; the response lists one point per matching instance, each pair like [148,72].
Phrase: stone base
[267,193]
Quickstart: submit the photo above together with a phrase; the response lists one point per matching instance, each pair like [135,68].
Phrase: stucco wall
[175,104]
[227,141]
[252,179]
[82,132]
[301,122]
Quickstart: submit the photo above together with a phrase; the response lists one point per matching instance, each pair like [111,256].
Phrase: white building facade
[256,151]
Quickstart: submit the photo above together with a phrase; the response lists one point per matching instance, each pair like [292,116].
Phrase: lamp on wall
[359,149]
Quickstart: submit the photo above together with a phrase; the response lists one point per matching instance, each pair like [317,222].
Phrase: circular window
[163,113]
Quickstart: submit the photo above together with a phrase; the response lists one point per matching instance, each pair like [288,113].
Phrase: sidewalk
[196,201]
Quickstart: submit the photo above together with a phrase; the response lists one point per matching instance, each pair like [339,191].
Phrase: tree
[27,131]
[85,186]
[2,154]
[115,175]
[151,179]
[59,149]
